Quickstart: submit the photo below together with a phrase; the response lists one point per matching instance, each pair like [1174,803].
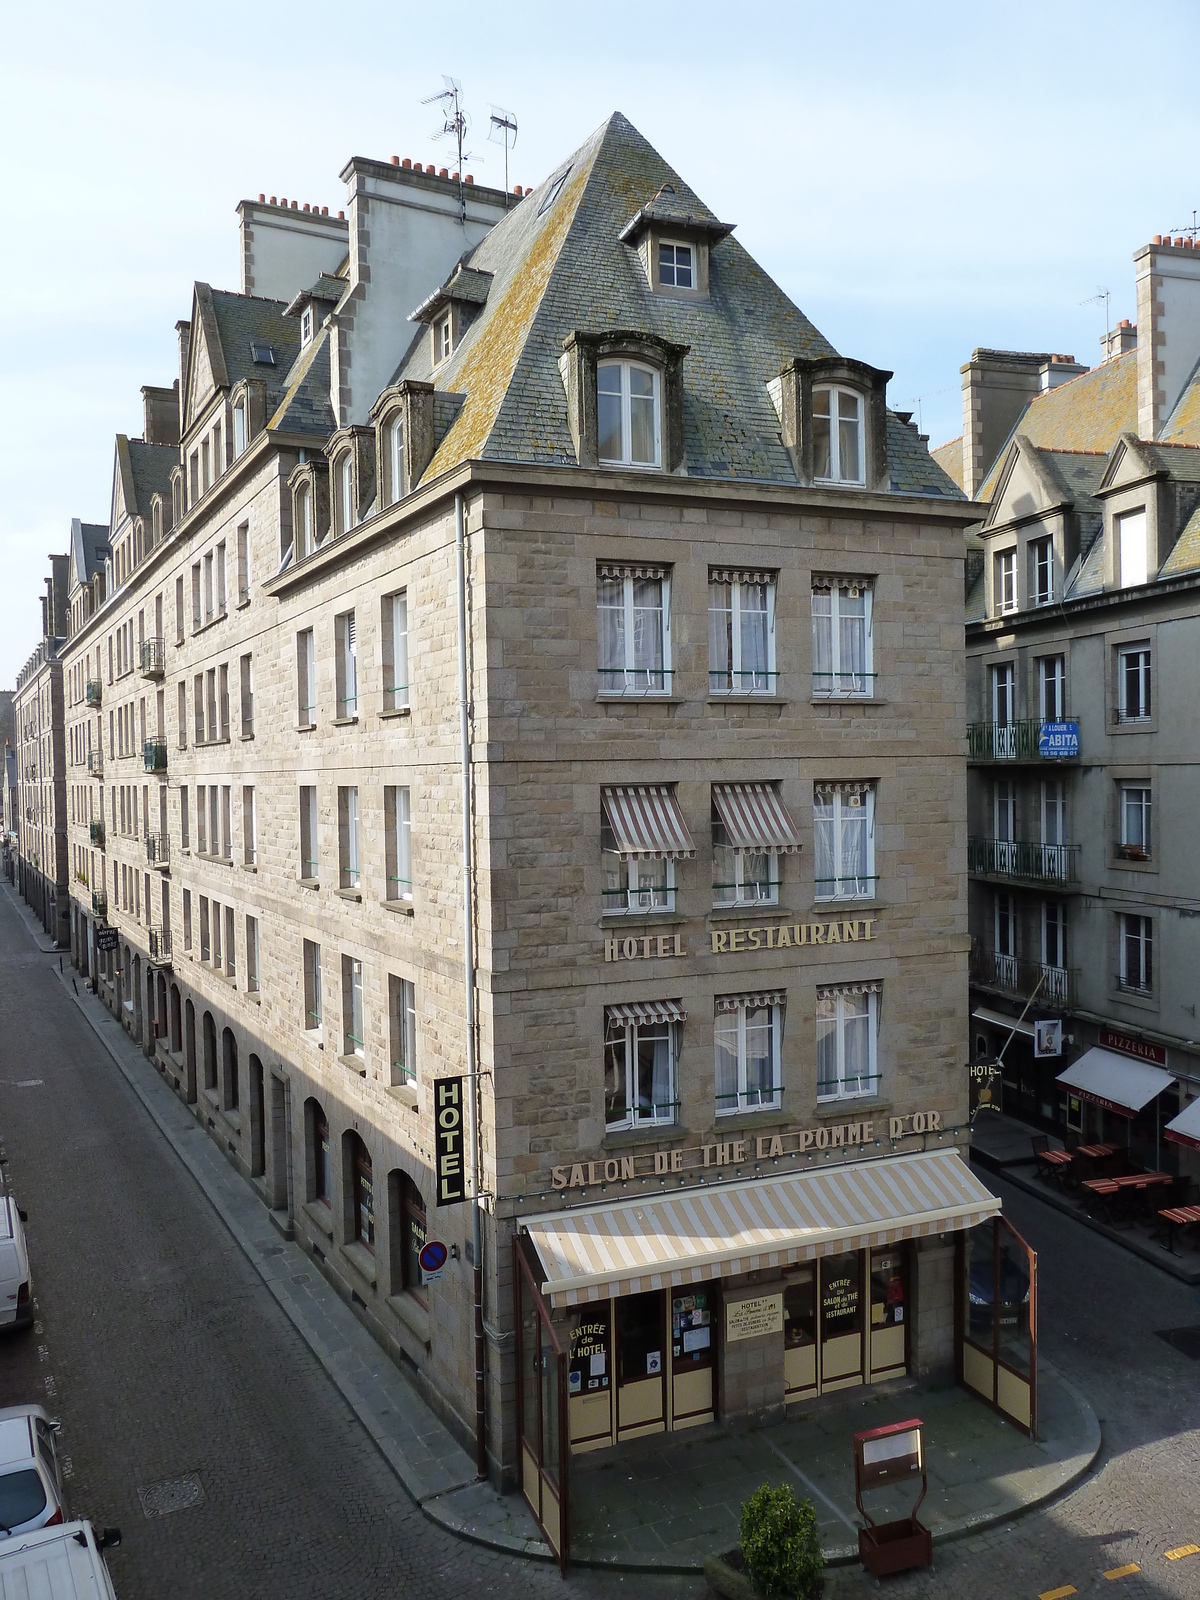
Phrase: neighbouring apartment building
[1083,639]
[526,657]
[39,817]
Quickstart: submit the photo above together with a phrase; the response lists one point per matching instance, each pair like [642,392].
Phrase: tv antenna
[1094,299]
[1193,228]
[917,399]
[455,123]
[503,131]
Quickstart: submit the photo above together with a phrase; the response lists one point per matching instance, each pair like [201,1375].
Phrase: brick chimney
[160,414]
[1118,340]
[1168,318]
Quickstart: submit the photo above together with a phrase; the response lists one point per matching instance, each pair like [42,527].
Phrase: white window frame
[306,676]
[664,1115]
[630,670]
[1141,940]
[675,246]
[1054,916]
[842,1087]
[632,895]
[845,885]
[239,427]
[1143,808]
[1054,813]
[830,685]
[398,853]
[346,639]
[757,1099]
[1142,655]
[1052,683]
[252,956]
[443,339]
[1003,672]
[306,326]
[346,490]
[354,1032]
[397,693]
[625,459]
[739,887]
[835,392]
[313,1014]
[308,833]
[395,430]
[762,680]
[350,869]
[1134,566]
[1004,582]
[1041,558]
[402,1003]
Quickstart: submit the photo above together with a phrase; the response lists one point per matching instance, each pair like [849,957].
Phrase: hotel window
[838,452]
[308,831]
[397,830]
[346,491]
[230,944]
[214,826]
[319,1152]
[249,827]
[1132,550]
[306,678]
[181,712]
[216,934]
[312,986]
[642,833]
[252,955]
[1052,687]
[847,1028]
[353,1032]
[346,646]
[1054,943]
[1004,569]
[1133,684]
[1041,564]
[246,667]
[633,606]
[1135,822]
[675,265]
[179,609]
[640,1049]
[187,919]
[747,1033]
[628,414]
[363,1196]
[220,577]
[1136,938]
[243,563]
[402,1013]
[201,820]
[226,828]
[197,605]
[207,568]
[412,1235]
[394,617]
[1004,942]
[842,654]
[348,840]
[844,841]
[205,949]
[741,632]
[750,830]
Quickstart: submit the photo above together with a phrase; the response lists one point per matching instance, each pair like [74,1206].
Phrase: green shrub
[780,1544]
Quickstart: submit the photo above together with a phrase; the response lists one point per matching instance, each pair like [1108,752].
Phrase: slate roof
[567,270]
[1085,413]
[950,458]
[151,466]
[304,405]
[466,284]
[1182,461]
[244,320]
[1079,473]
[1183,425]
[1185,557]
[89,546]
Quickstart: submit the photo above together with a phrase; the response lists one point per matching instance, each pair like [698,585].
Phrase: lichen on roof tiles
[950,458]
[1185,556]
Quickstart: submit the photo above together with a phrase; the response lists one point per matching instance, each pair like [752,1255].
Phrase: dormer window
[395,434]
[346,491]
[304,518]
[306,327]
[442,340]
[239,428]
[837,436]
[628,414]
[675,265]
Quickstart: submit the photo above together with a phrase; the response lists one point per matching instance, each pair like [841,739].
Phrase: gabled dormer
[1043,519]
[673,241]
[449,311]
[1148,491]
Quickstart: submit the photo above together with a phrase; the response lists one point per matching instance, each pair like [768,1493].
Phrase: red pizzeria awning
[1118,1083]
[1185,1128]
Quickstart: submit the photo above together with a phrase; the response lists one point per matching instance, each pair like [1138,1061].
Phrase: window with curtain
[402,1007]
[838,452]
[747,1044]
[1052,687]
[353,1032]
[847,1029]
[1004,582]
[639,1067]
[397,827]
[741,632]
[842,644]
[627,411]
[347,492]
[634,629]
[346,642]
[844,841]
[1133,684]
[394,617]
[741,877]
[1135,821]
[1136,937]
[395,445]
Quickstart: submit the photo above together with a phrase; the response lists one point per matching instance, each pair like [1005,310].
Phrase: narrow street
[167,1359]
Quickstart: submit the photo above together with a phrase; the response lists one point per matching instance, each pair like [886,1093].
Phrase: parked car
[60,1563]
[16,1285]
[31,1482]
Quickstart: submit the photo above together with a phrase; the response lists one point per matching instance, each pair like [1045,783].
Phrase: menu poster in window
[589,1355]
[691,1325]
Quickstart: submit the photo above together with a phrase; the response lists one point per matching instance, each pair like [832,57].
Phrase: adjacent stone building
[40,814]
[1082,642]
[521,704]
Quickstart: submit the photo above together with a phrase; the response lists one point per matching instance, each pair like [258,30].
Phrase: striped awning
[754,817]
[629,1246]
[752,1002]
[646,1011]
[647,822]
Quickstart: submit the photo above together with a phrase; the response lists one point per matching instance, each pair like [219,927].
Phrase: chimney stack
[1168,319]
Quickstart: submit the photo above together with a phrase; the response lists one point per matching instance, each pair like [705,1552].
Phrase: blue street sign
[1058,740]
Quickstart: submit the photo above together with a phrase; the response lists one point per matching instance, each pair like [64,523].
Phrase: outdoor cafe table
[1179,1217]
[1111,1191]
[1054,1163]
[1093,1156]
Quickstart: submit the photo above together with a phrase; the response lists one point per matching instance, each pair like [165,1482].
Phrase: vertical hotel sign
[448,1141]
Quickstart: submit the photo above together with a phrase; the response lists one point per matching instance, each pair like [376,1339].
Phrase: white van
[63,1563]
[16,1286]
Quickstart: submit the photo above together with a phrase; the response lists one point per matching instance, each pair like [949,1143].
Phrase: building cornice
[1014,621]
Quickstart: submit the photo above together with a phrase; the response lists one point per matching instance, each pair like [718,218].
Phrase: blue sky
[921,179]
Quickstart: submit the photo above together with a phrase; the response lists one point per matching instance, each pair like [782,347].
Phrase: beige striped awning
[646,1011]
[629,1246]
[754,817]
[647,822]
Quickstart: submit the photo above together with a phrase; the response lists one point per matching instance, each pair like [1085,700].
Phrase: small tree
[780,1544]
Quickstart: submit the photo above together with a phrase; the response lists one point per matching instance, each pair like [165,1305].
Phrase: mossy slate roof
[560,267]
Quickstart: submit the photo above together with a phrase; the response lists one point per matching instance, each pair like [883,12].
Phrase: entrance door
[889,1297]
[693,1397]
[641,1364]
[589,1377]
[997,1320]
[800,1332]
[841,1320]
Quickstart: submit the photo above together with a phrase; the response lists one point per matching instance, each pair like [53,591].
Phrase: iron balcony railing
[1009,741]
[154,754]
[100,904]
[158,849]
[96,763]
[1054,986]
[154,658]
[95,692]
[1023,858]
[160,946]
[97,834]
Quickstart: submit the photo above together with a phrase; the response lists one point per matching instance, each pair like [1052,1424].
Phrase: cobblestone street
[167,1359]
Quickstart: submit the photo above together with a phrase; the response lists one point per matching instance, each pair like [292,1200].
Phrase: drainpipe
[469,984]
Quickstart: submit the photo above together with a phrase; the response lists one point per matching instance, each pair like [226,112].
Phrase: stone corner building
[36,814]
[706,593]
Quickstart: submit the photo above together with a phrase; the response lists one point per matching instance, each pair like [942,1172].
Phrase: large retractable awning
[1118,1083]
[646,822]
[997,1019]
[628,1246]
[755,818]
[1185,1128]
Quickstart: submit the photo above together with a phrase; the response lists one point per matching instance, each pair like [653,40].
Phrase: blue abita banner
[1057,740]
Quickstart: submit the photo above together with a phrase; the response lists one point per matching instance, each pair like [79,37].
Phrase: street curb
[1154,1254]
